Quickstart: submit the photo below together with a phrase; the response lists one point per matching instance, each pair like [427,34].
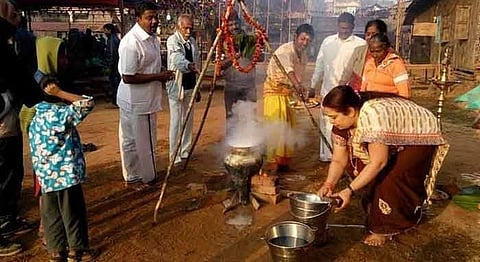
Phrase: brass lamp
[443,84]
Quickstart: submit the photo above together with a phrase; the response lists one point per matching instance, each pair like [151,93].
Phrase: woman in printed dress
[390,146]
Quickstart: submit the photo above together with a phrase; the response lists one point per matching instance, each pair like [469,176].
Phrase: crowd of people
[385,142]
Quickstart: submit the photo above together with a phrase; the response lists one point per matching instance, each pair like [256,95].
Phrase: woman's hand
[326,190]
[346,196]
[52,89]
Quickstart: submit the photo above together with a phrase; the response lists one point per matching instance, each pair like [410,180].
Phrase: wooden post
[400,14]
[122,17]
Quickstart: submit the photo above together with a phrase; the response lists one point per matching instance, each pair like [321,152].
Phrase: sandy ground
[121,218]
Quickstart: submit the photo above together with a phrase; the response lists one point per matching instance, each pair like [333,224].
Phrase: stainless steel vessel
[289,241]
[241,164]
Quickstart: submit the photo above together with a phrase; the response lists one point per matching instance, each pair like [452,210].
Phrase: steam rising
[243,129]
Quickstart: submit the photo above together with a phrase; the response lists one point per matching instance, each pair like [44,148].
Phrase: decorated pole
[229,41]
[189,111]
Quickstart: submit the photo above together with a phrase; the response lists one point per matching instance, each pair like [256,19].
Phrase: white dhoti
[138,137]
[178,114]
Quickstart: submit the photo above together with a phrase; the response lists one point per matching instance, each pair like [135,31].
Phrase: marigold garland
[228,39]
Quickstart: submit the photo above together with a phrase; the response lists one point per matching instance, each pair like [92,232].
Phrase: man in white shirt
[140,94]
[334,67]
[183,56]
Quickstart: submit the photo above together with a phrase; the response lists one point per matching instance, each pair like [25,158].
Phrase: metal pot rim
[267,238]
[324,200]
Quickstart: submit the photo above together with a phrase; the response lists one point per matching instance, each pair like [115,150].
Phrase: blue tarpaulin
[471,99]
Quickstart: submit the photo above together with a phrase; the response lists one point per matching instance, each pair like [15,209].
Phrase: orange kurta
[390,76]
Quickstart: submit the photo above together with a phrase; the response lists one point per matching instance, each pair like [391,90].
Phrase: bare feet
[376,240]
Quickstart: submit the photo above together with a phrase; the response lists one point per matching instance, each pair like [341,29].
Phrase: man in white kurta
[334,67]
[139,95]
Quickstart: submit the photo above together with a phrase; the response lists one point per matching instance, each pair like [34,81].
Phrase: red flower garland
[228,39]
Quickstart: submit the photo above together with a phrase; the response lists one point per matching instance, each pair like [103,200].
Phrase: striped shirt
[390,76]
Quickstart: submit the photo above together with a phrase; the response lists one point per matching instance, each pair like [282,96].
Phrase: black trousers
[114,79]
[11,176]
[64,218]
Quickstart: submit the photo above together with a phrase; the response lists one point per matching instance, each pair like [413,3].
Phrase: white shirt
[334,63]
[139,53]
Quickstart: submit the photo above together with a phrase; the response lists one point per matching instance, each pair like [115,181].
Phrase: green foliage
[245,44]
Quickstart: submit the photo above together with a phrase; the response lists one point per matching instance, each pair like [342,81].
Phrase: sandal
[58,257]
[82,256]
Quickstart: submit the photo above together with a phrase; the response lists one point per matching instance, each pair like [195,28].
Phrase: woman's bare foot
[375,240]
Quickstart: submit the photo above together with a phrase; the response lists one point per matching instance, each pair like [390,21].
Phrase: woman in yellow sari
[279,118]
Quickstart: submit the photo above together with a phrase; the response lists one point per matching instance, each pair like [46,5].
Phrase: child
[59,165]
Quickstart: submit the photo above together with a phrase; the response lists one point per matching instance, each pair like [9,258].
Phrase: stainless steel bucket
[289,241]
[312,210]
[308,205]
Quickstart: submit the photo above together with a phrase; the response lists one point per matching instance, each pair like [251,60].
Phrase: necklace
[354,164]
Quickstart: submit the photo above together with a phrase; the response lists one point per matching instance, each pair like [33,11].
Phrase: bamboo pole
[204,117]
[189,111]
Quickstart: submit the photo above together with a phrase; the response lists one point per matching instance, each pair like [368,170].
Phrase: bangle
[351,189]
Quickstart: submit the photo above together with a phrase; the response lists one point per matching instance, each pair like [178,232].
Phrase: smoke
[243,129]
[279,134]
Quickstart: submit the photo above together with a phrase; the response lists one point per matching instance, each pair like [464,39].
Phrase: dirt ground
[121,218]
